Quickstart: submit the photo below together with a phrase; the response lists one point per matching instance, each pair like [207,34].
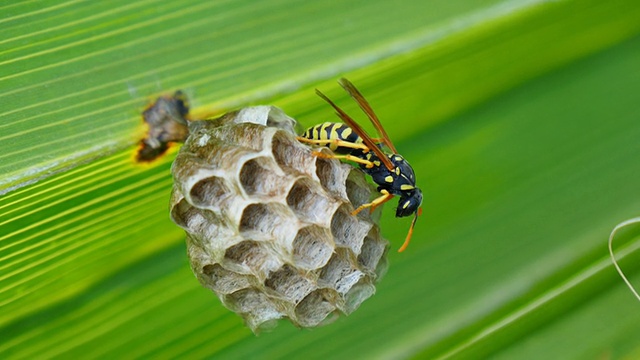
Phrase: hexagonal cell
[371,252]
[347,231]
[208,152]
[291,156]
[360,292]
[288,282]
[340,274]
[209,191]
[258,177]
[314,309]
[253,257]
[333,175]
[189,217]
[312,247]
[258,311]
[248,135]
[222,280]
[310,203]
[204,226]
[182,212]
[278,118]
[358,190]
[267,221]
[186,169]
[199,257]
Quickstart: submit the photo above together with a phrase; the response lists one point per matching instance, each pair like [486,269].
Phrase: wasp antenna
[408,239]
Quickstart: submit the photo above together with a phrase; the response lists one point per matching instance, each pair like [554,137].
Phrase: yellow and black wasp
[391,172]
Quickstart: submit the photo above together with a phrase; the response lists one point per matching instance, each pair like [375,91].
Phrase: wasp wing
[364,105]
[358,130]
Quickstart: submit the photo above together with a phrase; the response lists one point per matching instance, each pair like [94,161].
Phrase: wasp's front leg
[386,196]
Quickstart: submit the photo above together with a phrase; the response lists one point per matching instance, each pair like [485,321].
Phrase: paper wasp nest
[269,225]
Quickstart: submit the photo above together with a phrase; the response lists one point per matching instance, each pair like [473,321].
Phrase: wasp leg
[375,203]
[340,143]
[337,142]
[364,162]
[374,206]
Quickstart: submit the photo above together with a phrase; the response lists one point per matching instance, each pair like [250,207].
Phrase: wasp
[391,172]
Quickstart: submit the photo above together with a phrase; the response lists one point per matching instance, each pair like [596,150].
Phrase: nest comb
[269,226]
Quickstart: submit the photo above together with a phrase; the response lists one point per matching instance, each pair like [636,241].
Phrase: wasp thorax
[269,225]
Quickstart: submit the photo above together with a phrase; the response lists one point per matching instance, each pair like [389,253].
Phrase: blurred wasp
[391,172]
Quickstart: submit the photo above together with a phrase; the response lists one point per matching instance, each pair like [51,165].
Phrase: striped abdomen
[333,131]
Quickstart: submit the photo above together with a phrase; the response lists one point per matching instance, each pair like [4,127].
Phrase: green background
[521,119]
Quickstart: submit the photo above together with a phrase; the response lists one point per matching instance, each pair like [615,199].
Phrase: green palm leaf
[519,117]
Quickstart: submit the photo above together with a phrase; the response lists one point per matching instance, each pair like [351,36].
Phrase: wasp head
[409,202]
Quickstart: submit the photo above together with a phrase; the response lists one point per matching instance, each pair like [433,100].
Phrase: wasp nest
[269,225]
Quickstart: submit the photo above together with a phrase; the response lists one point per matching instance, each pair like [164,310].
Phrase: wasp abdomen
[333,131]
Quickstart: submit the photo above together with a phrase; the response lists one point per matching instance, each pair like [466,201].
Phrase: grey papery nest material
[269,225]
